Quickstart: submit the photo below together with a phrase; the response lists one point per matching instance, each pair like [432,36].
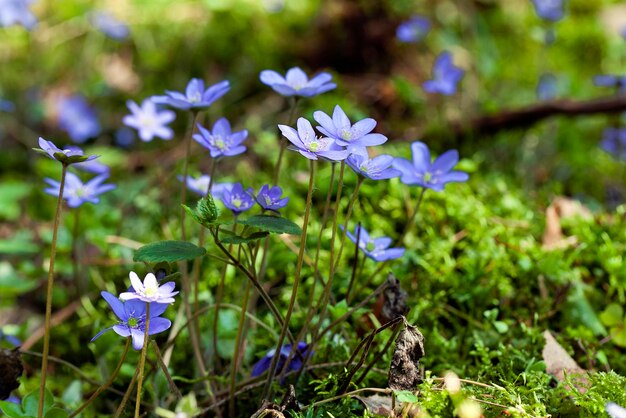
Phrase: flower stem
[412,219]
[122,404]
[355,263]
[219,295]
[106,384]
[46,337]
[183,191]
[296,283]
[348,215]
[78,286]
[142,361]
[283,142]
[166,372]
[233,374]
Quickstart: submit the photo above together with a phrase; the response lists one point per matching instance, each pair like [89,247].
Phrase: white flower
[149,290]
[149,121]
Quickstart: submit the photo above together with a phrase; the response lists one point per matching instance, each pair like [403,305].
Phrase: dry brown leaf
[561,208]
[559,362]
[381,405]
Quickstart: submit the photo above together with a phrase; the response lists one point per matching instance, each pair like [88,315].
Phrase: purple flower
[270,199]
[149,121]
[614,410]
[377,168]
[93,166]
[296,82]
[356,137]
[69,155]
[378,248]
[14,341]
[124,137]
[150,290]
[222,142]
[109,25]
[547,87]
[6,106]
[296,362]
[77,118]
[445,76]
[551,10]
[16,12]
[426,174]
[132,319]
[200,186]
[609,80]
[614,142]
[237,199]
[306,143]
[76,192]
[195,97]
[414,29]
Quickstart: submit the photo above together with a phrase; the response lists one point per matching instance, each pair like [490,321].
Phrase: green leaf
[168,251]
[619,336]
[612,315]
[56,413]
[406,396]
[11,409]
[30,403]
[236,239]
[206,212]
[273,224]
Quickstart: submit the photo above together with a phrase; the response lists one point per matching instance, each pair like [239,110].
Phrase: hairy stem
[166,372]
[142,361]
[122,404]
[348,215]
[233,374]
[409,224]
[183,190]
[46,337]
[283,142]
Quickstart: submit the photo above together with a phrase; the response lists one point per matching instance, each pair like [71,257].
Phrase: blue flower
[377,248]
[92,166]
[414,29]
[6,106]
[355,137]
[306,143]
[16,12]
[547,87]
[445,76]
[423,173]
[109,25]
[614,142]
[296,362]
[237,199]
[551,10]
[132,319]
[124,137]
[200,186]
[377,168]
[609,80]
[296,83]
[69,155]
[149,121]
[270,198]
[77,118]
[195,97]
[14,341]
[222,142]
[76,192]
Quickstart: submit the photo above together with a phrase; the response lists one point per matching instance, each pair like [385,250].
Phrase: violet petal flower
[270,198]
[200,186]
[377,168]
[237,199]
[610,80]
[355,137]
[221,142]
[132,319]
[413,30]
[149,290]
[306,143]
[551,10]
[547,87]
[16,12]
[76,192]
[296,362]
[77,118]
[149,121]
[614,142]
[296,82]
[92,166]
[195,96]
[106,23]
[446,76]
[69,155]
[423,173]
[375,248]
[6,106]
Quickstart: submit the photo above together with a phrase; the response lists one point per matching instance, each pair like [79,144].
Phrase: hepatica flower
[375,248]
[69,155]
[6,106]
[433,175]
[551,10]
[93,166]
[16,12]
[355,137]
[296,362]
[77,118]
[445,76]
[377,168]
[221,142]
[609,80]
[149,121]
[547,87]
[271,198]
[306,143]
[414,29]
[150,290]
[296,82]
[132,319]
[195,96]
[614,142]
[106,23]
[76,192]
[237,199]
[200,186]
